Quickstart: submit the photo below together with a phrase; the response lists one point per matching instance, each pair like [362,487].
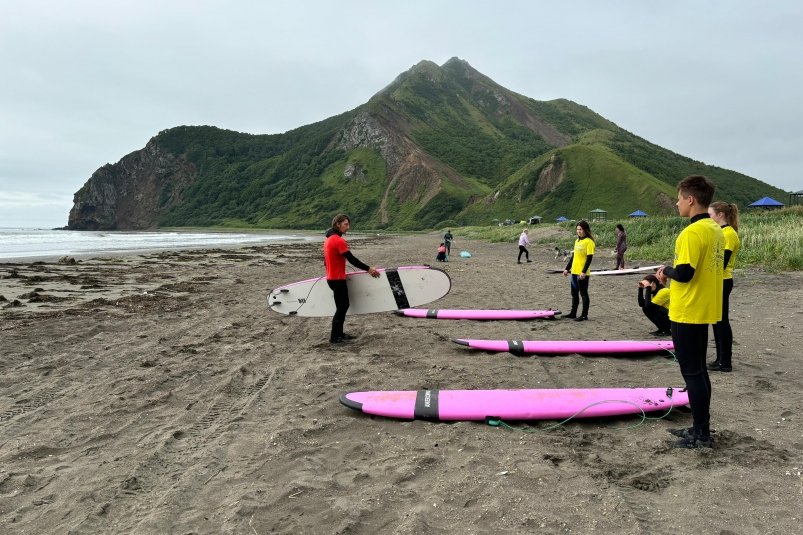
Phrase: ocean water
[22,244]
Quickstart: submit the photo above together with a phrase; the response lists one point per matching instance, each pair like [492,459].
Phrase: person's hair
[653,279]
[729,210]
[583,224]
[442,244]
[699,187]
[620,227]
[339,218]
[524,230]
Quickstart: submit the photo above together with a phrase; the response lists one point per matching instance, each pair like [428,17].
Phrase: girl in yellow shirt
[579,266]
[726,216]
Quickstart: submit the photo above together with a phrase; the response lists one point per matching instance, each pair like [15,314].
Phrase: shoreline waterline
[32,245]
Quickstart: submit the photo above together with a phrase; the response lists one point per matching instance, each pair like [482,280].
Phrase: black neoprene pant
[723,334]
[523,249]
[691,344]
[341,294]
[580,289]
[659,316]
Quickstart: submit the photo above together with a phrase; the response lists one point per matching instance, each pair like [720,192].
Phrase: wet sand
[158,394]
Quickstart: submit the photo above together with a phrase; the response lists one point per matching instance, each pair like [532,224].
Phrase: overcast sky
[86,82]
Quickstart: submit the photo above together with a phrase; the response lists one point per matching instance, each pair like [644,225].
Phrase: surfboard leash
[302,302]
[498,422]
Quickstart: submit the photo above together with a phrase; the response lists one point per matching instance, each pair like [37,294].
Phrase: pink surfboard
[476,314]
[522,404]
[565,347]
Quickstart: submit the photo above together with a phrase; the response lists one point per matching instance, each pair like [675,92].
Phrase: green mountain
[440,145]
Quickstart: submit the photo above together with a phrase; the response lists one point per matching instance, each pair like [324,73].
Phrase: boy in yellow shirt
[695,295]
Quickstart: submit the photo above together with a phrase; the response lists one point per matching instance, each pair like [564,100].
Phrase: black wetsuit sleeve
[648,298]
[355,262]
[728,254]
[680,273]
[589,258]
[569,265]
[641,296]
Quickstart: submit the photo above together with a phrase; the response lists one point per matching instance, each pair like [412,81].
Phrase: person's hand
[581,276]
[373,272]
[565,272]
[642,283]
[660,273]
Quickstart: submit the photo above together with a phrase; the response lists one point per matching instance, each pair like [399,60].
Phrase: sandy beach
[158,394]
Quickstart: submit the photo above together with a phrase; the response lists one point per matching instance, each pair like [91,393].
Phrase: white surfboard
[629,271]
[394,289]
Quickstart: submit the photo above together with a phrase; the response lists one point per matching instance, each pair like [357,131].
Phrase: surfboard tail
[460,341]
[350,403]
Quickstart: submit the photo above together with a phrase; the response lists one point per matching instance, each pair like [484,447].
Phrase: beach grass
[771,239]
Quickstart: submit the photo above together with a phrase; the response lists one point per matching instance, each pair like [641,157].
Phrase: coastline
[83,251]
[160,394]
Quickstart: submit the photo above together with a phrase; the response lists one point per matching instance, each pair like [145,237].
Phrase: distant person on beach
[441,257]
[726,215]
[335,253]
[653,298]
[447,241]
[695,301]
[579,267]
[524,241]
[621,246]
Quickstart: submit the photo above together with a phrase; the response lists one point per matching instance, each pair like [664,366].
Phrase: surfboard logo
[396,286]
[426,405]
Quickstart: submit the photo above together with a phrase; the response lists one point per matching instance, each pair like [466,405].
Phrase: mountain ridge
[438,146]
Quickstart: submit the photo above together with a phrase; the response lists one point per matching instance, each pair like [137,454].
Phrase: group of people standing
[701,283]
[698,296]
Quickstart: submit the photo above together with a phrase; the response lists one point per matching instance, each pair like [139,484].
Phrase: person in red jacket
[335,253]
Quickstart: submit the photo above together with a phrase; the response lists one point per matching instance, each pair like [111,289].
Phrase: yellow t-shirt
[582,248]
[733,244]
[701,245]
[661,298]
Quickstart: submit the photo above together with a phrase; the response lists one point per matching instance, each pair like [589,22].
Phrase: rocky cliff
[133,193]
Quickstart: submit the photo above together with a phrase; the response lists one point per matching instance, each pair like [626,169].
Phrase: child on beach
[695,297]
[579,266]
[726,216]
[441,257]
[524,241]
[653,298]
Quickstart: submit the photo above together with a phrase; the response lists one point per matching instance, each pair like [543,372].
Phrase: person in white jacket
[524,241]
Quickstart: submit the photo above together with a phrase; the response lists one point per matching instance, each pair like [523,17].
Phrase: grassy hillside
[671,167]
[594,177]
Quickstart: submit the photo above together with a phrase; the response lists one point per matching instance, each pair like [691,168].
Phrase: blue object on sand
[465,254]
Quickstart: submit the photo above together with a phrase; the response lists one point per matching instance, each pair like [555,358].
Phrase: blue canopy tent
[561,219]
[767,202]
[638,213]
